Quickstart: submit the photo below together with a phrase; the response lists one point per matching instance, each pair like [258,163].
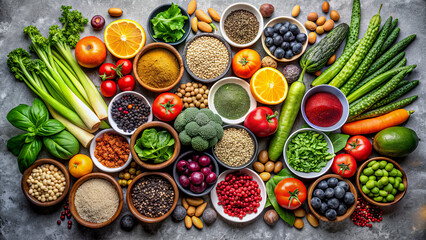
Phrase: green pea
[394,191]
[401,187]
[390,198]
[375,166]
[376,194]
[379,184]
[399,173]
[385,173]
[372,178]
[363,179]
[365,189]
[378,199]
[383,193]
[391,180]
[389,167]
[399,179]
[393,173]
[396,184]
[383,164]
[388,188]
[371,163]
[379,173]
[370,194]
[370,184]
[384,180]
[368,171]
[384,200]
[375,190]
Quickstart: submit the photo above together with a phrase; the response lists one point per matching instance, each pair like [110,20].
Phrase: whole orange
[90,52]
[80,165]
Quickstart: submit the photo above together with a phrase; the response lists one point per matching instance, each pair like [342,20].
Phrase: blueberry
[322,185]
[285,45]
[316,202]
[332,182]
[343,185]
[333,203]
[288,37]
[275,34]
[268,32]
[294,29]
[319,193]
[269,41]
[288,54]
[277,27]
[301,37]
[329,193]
[339,192]
[341,209]
[292,43]
[278,40]
[287,24]
[279,53]
[331,214]
[272,49]
[283,30]
[349,199]
[297,48]
[323,208]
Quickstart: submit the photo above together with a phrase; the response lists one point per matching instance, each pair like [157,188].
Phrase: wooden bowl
[153,46]
[292,21]
[398,196]
[85,178]
[339,218]
[138,133]
[26,188]
[132,207]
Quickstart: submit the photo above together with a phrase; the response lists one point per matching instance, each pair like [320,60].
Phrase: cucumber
[360,53]
[389,41]
[396,94]
[317,56]
[355,23]
[368,60]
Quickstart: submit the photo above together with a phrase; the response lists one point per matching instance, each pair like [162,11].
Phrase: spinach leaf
[38,112]
[15,143]
[62,145]
[147,153]
[163,138]
[339,141]
[168,24]
[28,154]
[50,127]
[19,117]
[149,138]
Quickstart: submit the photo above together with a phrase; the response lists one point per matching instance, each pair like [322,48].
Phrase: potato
[188,222]
[269,166]
[263,156]
[200,209]
[195,201]
[185,203]
[310,25]
[312,16]
[271,217]
[191,211]
[258,167]
[329,25]
[325,7]
[266,10]
[197,222]
[296,10]
[321,20]
[312,38]
[334,15]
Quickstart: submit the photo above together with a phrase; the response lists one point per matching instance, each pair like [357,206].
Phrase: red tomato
[359,147]
[108,88]
[126,83]
[290,193]
[167,106]
[262,121]
[124,67]
[107,72]
[90,52]
[344,165]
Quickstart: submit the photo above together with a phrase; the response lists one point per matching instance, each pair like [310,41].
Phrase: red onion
[205,171]
[198,189]
[197,178]
[193,166]
[181,166]
[211,178]
[184,181]
[204,160]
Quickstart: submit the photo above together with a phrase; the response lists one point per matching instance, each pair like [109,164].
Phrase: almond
[325,7]
[312,16]
[334,15]
[200,209]
[311,26]
[312,38]
[296,10]
[328,25]
[197,222]
[321,20]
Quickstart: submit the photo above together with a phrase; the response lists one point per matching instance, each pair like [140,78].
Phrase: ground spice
[241,26]
[158,68]
[153,196]
[96,200]
[112,150]
[235,148]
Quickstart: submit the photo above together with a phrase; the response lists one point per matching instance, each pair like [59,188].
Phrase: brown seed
[188,222]
[331,60]
[312,220]
[278,167]
[296,10]
[300,212]
[195,201]
[328,25]
[334,15]
[258,167]
[320,30]
[312,16]
[317,73]
[115,12]
[269,166]
[265,176]
[200,209]
[191,7]
[185,203]
[271,217]
[214,14]
[194,24]
[312,38]
[191,211]
[298,223]
[197,222]
[263,156]
[310,25]
[321,20]
[325,7]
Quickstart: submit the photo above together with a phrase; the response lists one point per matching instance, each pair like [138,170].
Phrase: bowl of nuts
[193,95]
[50,192]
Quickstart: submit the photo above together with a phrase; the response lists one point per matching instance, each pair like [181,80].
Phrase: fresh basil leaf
[28,154]
[163,138]
[38,112]
[149,138]
[15,143]
[50,127]
[339,141]
[30,137]
[19,117]
[62,145]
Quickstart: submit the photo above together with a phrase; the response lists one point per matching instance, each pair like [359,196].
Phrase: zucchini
[368,60]
[359,54]
[397,93]
[317,56]
[385,109]
[355,23]
[389,41]
[332,71]
[380,94]
[394,63]
[392,52]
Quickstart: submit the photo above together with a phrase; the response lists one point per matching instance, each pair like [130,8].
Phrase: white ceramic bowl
[241,6]
[111,120]
[336,92]
[95,160]
[239,82]
[311,174]
[248,217]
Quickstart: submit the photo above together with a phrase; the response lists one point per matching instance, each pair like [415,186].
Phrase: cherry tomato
[126,83]
[359,147]
[344,165]
[107,72]
[108,88]
[124,67]
[290,193]
[90,52]
[167,106]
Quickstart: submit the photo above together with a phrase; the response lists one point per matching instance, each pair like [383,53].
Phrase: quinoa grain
[235,148]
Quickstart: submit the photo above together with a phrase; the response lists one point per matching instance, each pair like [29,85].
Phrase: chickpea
[207,91]
[182,85]
[197,104]
[186,105]
[196,91]
[204,87]
[188,84]
[202,105]
[192,93]
[189,100]
[206,102]
[195,85]
[205,96]
[182,91]
[201,91]
[179,94]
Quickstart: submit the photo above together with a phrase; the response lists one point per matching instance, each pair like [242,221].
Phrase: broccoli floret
[199,144]
[202,119]
[184,138]
[190,114]
[213,142]
[192,129]
[217,119]
[207,131]
[208,112]
[218,128]
[180,122]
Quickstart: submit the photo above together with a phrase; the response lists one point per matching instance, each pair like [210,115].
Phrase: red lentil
[112,150]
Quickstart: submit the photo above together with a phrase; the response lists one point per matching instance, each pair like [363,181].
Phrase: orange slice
[268,86]
[124,38]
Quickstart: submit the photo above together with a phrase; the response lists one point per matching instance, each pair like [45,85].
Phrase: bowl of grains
[158,67]
[152,196]
[241,25]
[110,151]
[96,200]
[46,182]
[193,95]
[127,111]
[237,149]
[207,57]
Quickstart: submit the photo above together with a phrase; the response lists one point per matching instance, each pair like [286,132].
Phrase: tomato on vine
[167,106]
[290,193]
[359,147]
[344,165]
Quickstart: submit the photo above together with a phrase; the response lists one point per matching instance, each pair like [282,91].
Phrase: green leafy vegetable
[49,127]
[19,117]
[168,25]
[154,145]
[38,112]
[15,143]
[62,145]
[28,154]
[339,141]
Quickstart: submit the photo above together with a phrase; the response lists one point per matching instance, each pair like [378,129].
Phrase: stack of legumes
[129,112]
[235,148]
[193,95]
[46,183]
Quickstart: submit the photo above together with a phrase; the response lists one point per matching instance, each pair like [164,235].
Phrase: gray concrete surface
[20,220]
